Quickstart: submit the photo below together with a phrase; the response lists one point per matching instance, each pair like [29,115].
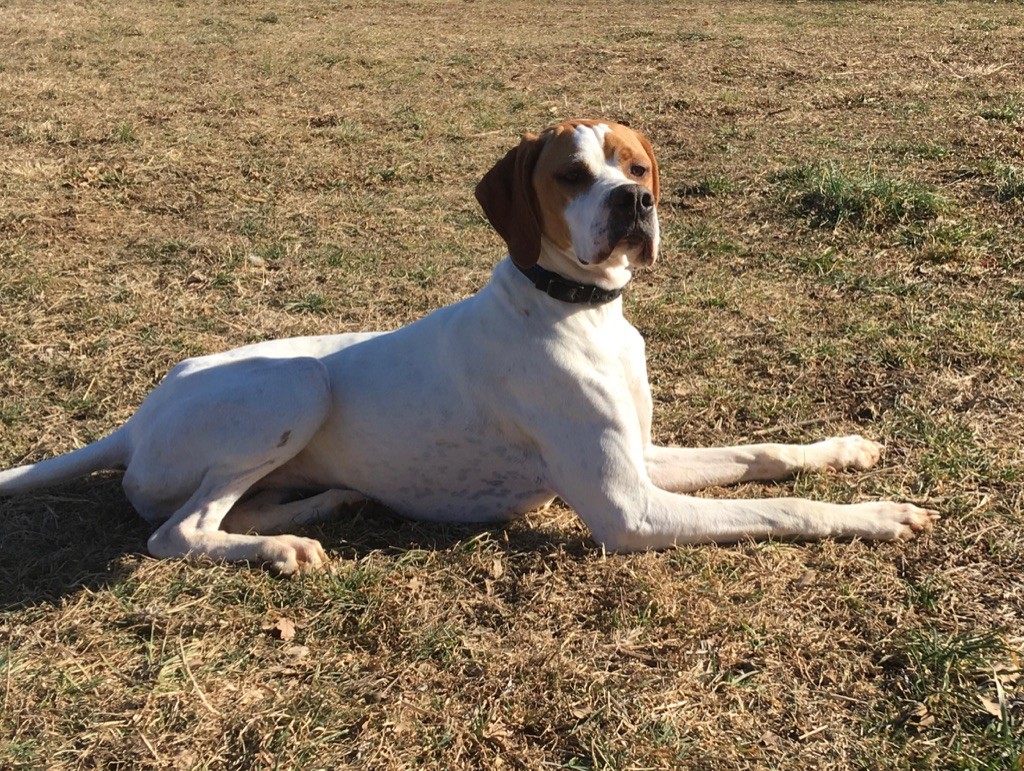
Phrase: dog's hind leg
[265,513]
[194,531]
[206,436]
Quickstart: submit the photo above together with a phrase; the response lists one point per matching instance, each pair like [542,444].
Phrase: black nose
[633,199]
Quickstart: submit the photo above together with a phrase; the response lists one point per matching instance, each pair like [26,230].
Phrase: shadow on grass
[56,542]
[371,527]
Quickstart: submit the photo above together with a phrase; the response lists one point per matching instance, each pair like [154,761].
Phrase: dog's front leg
[684,470]
[602,474]
[668,519]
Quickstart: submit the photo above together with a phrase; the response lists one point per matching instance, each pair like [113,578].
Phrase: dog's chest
[439,420]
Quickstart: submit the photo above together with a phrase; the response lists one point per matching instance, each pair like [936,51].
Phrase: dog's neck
[566,289]
[520,293]
[613,273]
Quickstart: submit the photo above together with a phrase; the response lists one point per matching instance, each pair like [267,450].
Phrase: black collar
[565,289]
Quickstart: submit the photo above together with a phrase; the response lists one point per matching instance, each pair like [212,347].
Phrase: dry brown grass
[185,177]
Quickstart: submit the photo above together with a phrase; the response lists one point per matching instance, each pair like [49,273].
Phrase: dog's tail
[109,452]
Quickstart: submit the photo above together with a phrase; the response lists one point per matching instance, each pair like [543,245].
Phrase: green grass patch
[1009,183]
[940,242]
[953,690]
[1009,111]
[124,133]
[706,240]
[831,195]
[820,263]
[924,151]
[705,187]
[952,452]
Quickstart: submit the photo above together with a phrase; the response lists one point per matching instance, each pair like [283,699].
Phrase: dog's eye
[573,175]
[637,170]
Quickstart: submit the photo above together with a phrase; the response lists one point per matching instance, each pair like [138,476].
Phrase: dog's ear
[509,201]
[655,182]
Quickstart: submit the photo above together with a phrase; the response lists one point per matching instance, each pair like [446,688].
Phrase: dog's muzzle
[631,220]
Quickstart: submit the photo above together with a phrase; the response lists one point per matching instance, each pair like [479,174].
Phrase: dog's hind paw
[289,555]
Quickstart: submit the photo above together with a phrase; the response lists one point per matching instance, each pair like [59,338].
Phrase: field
[842,252]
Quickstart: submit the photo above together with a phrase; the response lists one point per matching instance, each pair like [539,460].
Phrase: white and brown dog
[534,387]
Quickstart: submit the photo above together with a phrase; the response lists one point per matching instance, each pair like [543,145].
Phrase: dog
[535,387]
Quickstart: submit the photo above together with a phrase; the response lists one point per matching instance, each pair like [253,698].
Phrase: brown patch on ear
[655,183]
[509,201]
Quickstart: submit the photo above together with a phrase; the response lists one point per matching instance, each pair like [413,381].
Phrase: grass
[830,195]
[1009,111]
[181,180]
[1010,183]
[942,242]
[705,187]
[946,678]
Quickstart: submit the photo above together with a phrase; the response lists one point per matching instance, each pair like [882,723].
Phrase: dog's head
[589,189]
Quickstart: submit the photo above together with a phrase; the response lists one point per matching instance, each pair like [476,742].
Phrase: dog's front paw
[890,521]
[291,554]
[847,452]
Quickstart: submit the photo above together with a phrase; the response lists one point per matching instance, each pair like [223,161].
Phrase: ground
[843,201]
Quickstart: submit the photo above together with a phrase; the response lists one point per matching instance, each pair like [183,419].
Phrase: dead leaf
[296,652]
[771,740]
[991,707]
[282,629]
[919,716]
[807,579]
[497,569]
[250,696]
[497,732]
